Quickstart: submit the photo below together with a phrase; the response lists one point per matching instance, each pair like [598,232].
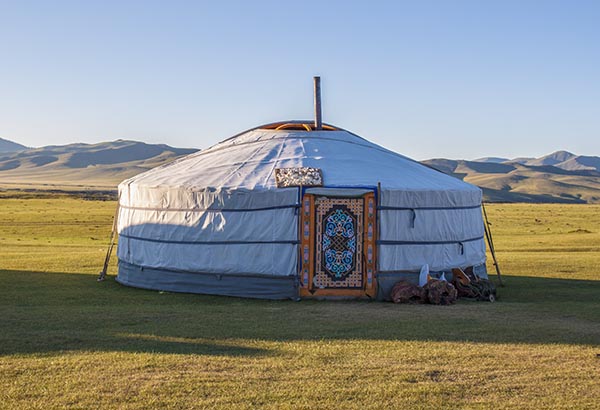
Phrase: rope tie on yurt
[113,236]
[461,246]
[413,218]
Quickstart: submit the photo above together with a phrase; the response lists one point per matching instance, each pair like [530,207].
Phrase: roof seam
[275,162]
[242,164]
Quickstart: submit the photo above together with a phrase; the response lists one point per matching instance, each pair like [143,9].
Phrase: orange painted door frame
[368,248]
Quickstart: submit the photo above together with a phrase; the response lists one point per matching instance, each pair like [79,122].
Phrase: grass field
[67,341]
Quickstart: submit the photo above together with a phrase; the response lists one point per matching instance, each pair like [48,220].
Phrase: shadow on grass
[56,312]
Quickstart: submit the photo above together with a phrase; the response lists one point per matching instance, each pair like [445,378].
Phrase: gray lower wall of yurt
[247,286]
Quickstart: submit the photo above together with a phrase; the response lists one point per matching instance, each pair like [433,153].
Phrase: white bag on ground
[423,275]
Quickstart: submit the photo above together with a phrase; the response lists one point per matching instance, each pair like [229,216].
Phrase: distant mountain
[84,165]
[581,162]
[551,159]
[557,177]
[521,160]
[560,159]
[10,146]
[492,159]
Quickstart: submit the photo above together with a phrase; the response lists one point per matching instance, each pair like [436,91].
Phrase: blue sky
[456,79]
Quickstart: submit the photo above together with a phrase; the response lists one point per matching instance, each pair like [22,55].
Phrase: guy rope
[113,236]
[490,241]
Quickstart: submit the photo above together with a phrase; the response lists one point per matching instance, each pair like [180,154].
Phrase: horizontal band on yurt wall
[273,259]
[294,242]
[425,208]
[266,208]
[393,242]
[260,226]
[175,196]
[251,286]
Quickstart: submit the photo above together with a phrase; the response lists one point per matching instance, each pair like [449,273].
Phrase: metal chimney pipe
[318,116]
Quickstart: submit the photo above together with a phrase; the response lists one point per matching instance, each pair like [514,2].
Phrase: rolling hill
[10,146]
[555,158]
[101,165]
[495,160]
[557,177]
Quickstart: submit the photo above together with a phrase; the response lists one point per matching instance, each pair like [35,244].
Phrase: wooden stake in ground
[490,241]
[113,236]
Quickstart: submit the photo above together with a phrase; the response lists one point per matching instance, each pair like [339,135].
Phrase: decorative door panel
[337,246]
[338,243]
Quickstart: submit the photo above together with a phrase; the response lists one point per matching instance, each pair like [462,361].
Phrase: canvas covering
[219,211]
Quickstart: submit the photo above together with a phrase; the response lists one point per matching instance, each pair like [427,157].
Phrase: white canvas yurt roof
[248,161]
[216,222]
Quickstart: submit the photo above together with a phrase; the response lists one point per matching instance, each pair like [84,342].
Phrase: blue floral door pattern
[338,243]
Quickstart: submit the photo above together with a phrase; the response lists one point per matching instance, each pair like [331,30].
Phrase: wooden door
[338,246]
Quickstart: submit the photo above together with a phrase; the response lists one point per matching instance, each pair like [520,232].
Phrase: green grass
[68,341]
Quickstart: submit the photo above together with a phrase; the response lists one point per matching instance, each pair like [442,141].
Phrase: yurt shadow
[54,312]
[132,343]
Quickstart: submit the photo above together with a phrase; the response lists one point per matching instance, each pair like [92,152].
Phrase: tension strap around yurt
[113,236]
[490,241]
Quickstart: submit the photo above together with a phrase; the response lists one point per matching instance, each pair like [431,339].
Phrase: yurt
[295,209]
